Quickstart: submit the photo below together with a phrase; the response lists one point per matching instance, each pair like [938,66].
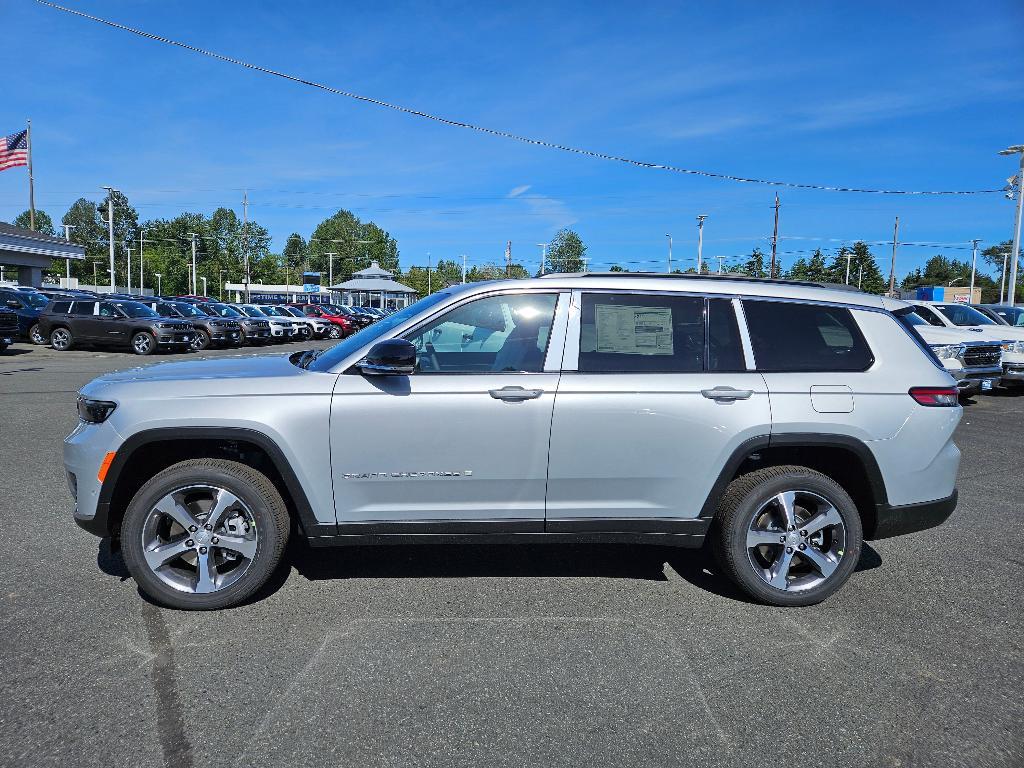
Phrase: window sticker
[626,330]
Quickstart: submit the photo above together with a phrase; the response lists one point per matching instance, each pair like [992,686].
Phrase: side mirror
[394,357]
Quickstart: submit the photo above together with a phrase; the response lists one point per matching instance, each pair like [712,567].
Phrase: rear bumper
[909,518]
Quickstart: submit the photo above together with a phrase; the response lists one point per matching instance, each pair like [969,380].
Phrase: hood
[241,367]
[933,334]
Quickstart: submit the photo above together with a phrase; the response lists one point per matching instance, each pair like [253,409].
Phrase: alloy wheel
[35,334]
[141,343]
[199,539]
[60,339]
[796,540]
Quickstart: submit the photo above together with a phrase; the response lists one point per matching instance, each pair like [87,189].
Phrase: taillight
[936,396]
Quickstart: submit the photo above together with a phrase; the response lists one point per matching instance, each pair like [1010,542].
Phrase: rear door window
[789,336]
[61,307]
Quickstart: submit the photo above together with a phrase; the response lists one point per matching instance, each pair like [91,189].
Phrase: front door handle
[515,394]
[726,394]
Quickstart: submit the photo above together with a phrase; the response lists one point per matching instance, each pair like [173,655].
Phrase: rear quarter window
[60,307]
[789,336]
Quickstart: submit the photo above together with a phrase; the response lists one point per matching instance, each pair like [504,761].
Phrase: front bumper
[1013,373]
[909,518]
[84,451]
[973,380]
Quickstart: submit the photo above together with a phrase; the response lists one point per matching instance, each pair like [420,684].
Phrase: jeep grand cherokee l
[113,323]
[783,423]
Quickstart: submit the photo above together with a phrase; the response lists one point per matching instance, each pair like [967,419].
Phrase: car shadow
[460,560]
[14,351]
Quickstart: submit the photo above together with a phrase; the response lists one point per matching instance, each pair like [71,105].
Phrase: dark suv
[8,327]
[28,306]
[252,330]
[224,332]
[113,322]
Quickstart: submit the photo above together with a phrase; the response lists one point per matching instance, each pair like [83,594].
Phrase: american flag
[14,150]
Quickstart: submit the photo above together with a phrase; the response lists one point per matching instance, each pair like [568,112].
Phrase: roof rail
[695,276]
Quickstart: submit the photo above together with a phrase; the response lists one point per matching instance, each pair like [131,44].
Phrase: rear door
[657,393]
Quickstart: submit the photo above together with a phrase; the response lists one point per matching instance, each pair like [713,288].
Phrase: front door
[657,394]
[461,444]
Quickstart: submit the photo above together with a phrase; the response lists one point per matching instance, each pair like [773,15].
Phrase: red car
[341,326]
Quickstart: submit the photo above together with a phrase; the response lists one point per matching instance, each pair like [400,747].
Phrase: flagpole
[31,182]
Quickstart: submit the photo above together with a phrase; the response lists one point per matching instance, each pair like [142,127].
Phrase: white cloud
[517,191]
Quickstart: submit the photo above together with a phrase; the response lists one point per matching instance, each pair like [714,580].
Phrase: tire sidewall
[261,567]
[734,533]
[334,332]
[35,335]
[202,340]
[152,343]
[65,331]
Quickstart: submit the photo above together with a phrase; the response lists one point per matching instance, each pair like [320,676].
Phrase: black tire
[253,488]
[201,340]
[334,332]
[243,340]
[143,343]
[61,339]
[36,335]
[745,499]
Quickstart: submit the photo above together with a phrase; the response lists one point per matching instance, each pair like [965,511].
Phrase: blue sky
[908,96]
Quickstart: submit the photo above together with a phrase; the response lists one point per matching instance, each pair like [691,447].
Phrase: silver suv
[783,423]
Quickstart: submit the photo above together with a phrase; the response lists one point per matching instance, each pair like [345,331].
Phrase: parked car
[969,320]
[783,423]
[253,330]
[341,324]
[113,322]
[28,306]
[8,327]
[281,329]
[975,363]
[222,332]
[1009,315]
[319,327]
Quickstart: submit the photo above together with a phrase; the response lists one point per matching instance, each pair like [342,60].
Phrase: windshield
[912,318]
[331,357]
[134,309]
[223,310]
[251,311]
[1012,315]
[960,314]
[35,300]
[274,311]
[187,310]
[292,312]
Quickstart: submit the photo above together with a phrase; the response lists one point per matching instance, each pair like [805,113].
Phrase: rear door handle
[726,394]
[515,394]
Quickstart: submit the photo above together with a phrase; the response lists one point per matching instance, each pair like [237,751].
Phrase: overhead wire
[502,133]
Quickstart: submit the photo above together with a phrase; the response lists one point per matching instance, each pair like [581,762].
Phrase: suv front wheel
[787,535]
[204,534]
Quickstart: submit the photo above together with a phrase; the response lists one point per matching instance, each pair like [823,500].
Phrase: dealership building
[25,255]
[371,287]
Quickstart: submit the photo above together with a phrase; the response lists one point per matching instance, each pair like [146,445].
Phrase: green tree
[89,232]
[617,268]
[355,243]
[754,266]
[995,256]
[566,253]
[44,224]
[864,271]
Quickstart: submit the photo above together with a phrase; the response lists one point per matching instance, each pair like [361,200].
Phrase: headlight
[946,351]
[1013,347]
[94,411]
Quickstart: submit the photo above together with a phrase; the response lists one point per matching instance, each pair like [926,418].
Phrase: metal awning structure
[374,284]
[31,252]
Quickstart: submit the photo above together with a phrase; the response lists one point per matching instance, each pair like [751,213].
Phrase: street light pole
[543,255]
[1016,149]
[892,266]
[974,265]
[700,242]
[429,289]
[194,281]
[110,232]
[159,290]
[203,278]
[463,269]
[67,262]
[669,252]
[849,257]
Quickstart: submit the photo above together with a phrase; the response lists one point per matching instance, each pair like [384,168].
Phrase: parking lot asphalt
[475,655]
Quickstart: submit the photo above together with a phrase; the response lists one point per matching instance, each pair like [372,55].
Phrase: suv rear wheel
[61,339]
[787,535]
[36,335]
[334,332]
[204,534]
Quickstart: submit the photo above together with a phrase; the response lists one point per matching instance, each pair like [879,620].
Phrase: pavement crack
[170,726]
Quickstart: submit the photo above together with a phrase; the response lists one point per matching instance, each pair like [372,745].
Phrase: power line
[501,133]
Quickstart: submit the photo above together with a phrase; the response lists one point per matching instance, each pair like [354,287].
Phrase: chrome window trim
[741,322]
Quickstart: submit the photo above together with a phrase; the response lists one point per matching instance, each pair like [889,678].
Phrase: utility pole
[860,276]
[330,268]
[1017,149]
[1002,280]
[669,252]
[720,260]
[142,239]
[67,237]
[128,272]
[463,269]
[508,259]
[974,265]
[543,255]
[110,232]
[892,266]
[31,179]
[700,241]
[95,284]
[203,278]
[194,281]
[775,238]
[430,289]
[849,257]
[245,239]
